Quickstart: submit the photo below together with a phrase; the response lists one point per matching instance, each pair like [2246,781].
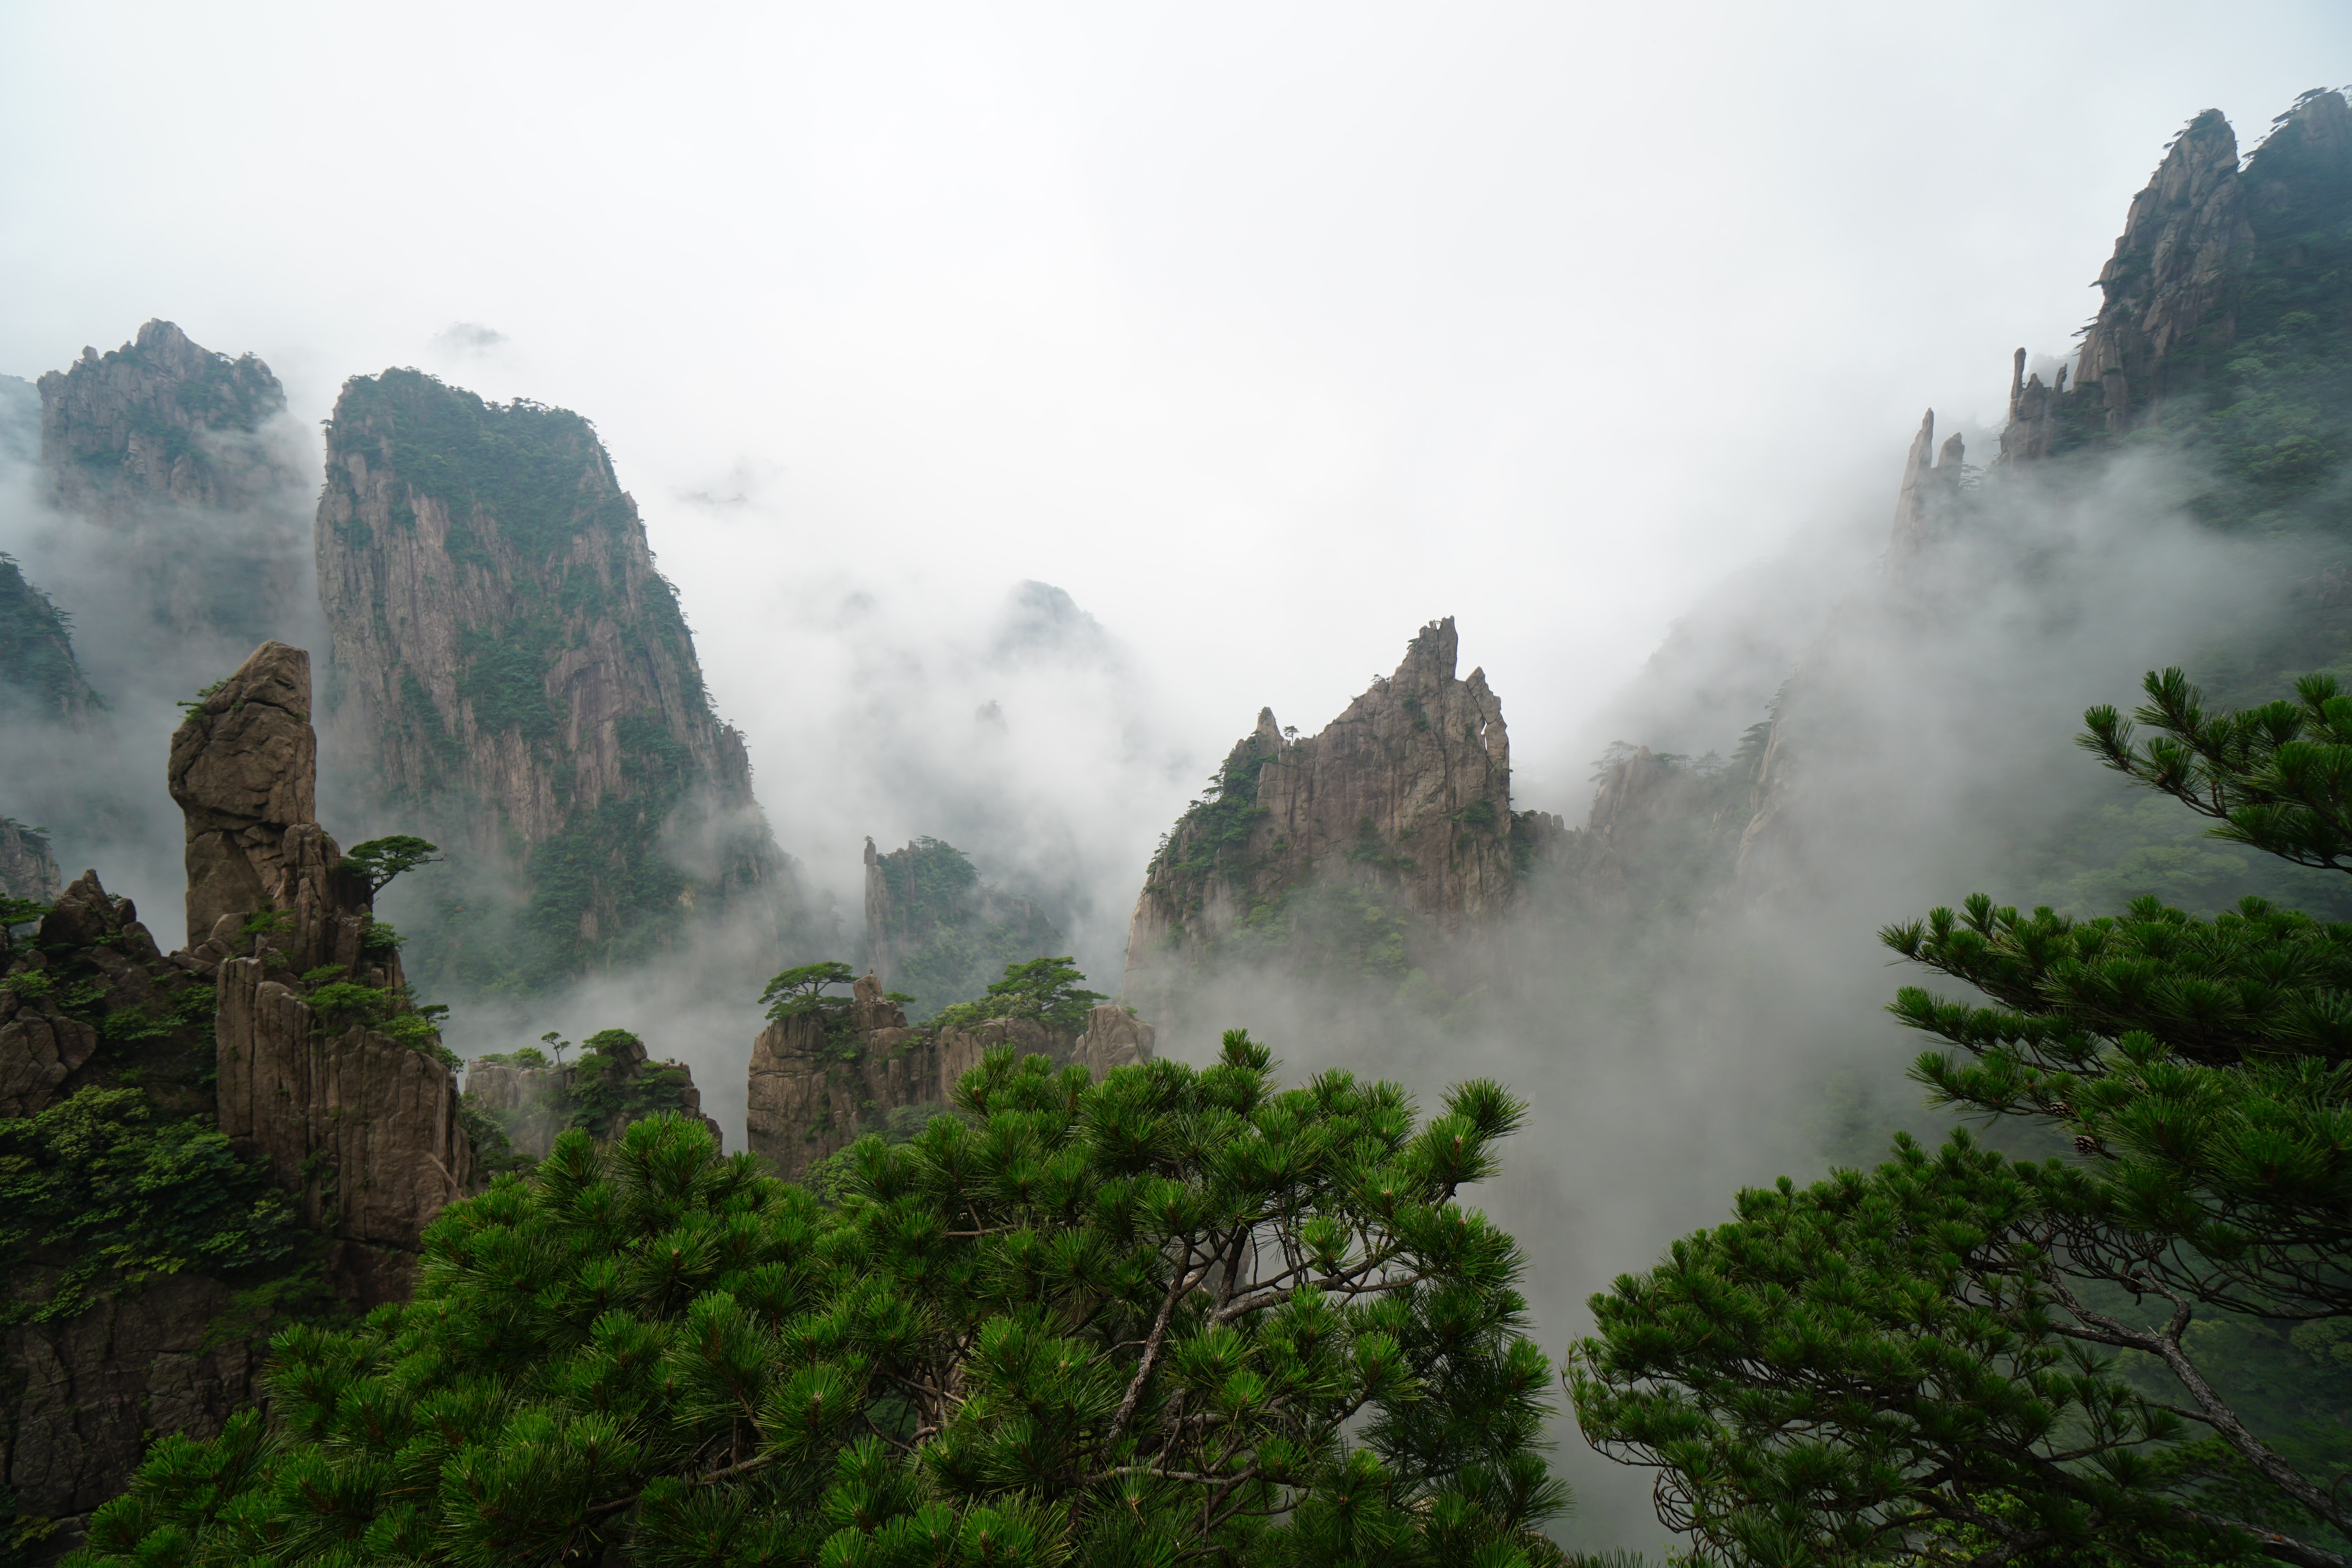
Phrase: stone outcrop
[533,1104]
[363,1127]
[814,1092]
[2202,245]
[1407,793]
[28,868]
[2172,280]
[88,1394]
[518,681]
[936,930]
[184,457]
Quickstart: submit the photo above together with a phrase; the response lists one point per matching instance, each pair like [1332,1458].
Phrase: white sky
[1268,331]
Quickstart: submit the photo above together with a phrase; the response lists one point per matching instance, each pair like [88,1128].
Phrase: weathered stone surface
[2173,279]
[86,1396]
[812,1094]
[1408,790]
[514,668]
[363,1127]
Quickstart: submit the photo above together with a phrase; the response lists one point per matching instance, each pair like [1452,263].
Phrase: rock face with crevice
[28,868]
[362,1125]
[814,1092]
[1406,796]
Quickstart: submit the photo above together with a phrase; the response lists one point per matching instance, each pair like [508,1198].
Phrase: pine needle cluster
[1179,1315]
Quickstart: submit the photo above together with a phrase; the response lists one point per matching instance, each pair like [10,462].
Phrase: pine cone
[2086,1144]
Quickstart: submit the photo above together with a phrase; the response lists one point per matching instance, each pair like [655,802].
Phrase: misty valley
[1904,1115]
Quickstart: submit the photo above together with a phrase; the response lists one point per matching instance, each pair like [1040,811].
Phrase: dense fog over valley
[1409,532]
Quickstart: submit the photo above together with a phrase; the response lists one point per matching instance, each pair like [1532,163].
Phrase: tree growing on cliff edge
[1049,990]
[1964,1358]
[1179,1314]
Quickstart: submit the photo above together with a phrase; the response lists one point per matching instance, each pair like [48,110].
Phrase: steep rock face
[362,1126]
[516,673]
[39,677]
[935,931]
[2172,280]
[28,868]
[1406,793]
[181,454]
[813,1093]
[87,1395]
[2211,256]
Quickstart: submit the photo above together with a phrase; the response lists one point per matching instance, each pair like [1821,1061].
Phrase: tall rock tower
[522,686]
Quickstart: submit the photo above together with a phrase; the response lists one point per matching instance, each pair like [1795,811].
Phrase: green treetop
[1050,990]
[1920,1364]
[1179,1314]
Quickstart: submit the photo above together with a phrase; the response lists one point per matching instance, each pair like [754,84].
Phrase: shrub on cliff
[1178,1313]
[1049,990]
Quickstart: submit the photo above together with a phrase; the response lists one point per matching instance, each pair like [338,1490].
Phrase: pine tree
[1940,1361]
[1179,1314]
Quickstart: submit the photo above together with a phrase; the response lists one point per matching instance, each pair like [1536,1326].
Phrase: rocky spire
[1931,485]
[2172,280]
[1407,793]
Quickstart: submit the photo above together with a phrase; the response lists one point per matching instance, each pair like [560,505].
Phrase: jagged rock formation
[616,1086]
[935,932]
[1931,489]
[39,677]
[89,1002]
[519,681]
[814,1093]
[28,868]
[171,447]
[2211,255]
[362,1125]
[1406,795]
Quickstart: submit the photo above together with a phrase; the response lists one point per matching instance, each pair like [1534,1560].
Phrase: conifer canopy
[1179,1315]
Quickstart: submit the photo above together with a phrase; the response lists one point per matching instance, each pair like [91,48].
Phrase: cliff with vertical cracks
[361,1123]
[939,934]
[183,458]
[519,683]
[284,1025]
[815,1091]
[28,868]
[1403,803]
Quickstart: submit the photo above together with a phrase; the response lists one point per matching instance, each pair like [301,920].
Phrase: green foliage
[1211,838]
[1049,990]
[1905,1366]
[14,912]
[613,1085]
[803,990]
[37,671]
[1180,1312]
[379,860]
[948,933]
[96,1185]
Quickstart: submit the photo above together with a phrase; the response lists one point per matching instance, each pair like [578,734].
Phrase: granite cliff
[183,459]
[1366,847]
[814,1091]
[194,1142]
[517,680]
